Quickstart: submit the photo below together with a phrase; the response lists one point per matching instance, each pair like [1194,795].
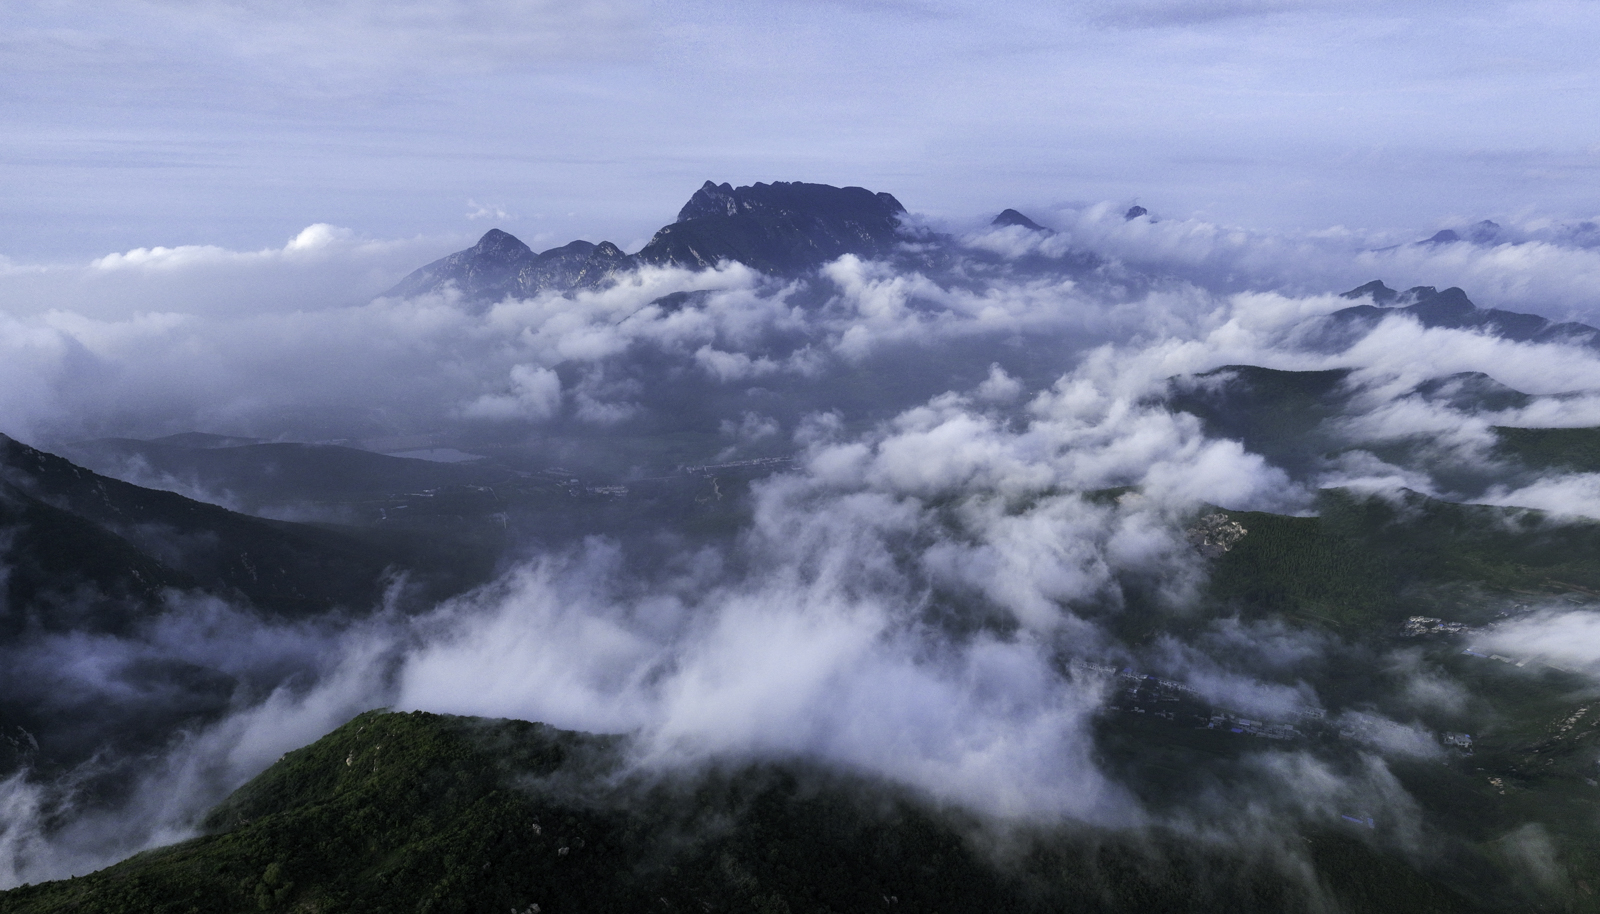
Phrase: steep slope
[127,533]
[101,541]
[92,566]
[409,812]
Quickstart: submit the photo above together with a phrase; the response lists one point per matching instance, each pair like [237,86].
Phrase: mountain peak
[777,228]
[1380,293]
[496,241]
[711,199]
[1012,217]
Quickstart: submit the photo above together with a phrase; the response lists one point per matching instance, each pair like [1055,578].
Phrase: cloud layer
[987,486]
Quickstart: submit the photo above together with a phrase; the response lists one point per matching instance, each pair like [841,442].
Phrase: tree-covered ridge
[424,812]
[1364,561]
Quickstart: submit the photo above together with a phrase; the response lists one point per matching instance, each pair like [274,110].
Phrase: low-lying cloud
[930,593]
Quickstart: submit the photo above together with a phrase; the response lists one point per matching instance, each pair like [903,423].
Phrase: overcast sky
[130,123]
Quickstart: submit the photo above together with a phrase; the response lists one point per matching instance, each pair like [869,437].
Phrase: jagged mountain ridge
[1452,309]
[780,227]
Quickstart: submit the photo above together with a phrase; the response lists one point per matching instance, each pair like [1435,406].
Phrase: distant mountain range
[776,228]
[788,227]
[1453,310]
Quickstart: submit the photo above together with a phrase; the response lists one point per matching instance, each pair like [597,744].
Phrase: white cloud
[1568,638]
[492,211]
[535,394]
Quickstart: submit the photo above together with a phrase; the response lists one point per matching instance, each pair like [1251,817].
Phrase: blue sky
[128,123]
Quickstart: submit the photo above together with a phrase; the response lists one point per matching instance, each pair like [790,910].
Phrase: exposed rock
[1215,534]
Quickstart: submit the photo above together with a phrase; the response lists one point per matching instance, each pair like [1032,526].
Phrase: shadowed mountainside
[81,539]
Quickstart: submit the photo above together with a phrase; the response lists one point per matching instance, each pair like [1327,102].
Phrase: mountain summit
[782,227]
[500,265]
[776,228]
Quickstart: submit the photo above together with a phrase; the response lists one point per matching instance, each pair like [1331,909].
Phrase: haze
[142,123]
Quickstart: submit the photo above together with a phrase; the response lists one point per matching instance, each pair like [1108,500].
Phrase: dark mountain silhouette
[776,228]
[256,475]
[86,556]
[88,552]
[1134,212]
[1012,217]
[782,227]
[1452,309]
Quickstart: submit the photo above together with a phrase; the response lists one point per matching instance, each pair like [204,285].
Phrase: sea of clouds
[927,595]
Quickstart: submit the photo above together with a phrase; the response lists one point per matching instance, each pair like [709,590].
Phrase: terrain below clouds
[1108,535]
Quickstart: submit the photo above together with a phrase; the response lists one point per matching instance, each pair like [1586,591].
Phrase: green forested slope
[420,812]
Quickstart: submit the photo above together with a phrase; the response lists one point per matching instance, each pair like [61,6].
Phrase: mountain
[425,812]
[80,537]
[1012,217]
[776,228]
[1453,310]
[1277,414]
[1485,232]
[260,476]
[500,265]
[278,567]
[780,227]
[1299,421]
[86,558]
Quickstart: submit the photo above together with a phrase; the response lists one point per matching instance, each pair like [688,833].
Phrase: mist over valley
[813,555]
